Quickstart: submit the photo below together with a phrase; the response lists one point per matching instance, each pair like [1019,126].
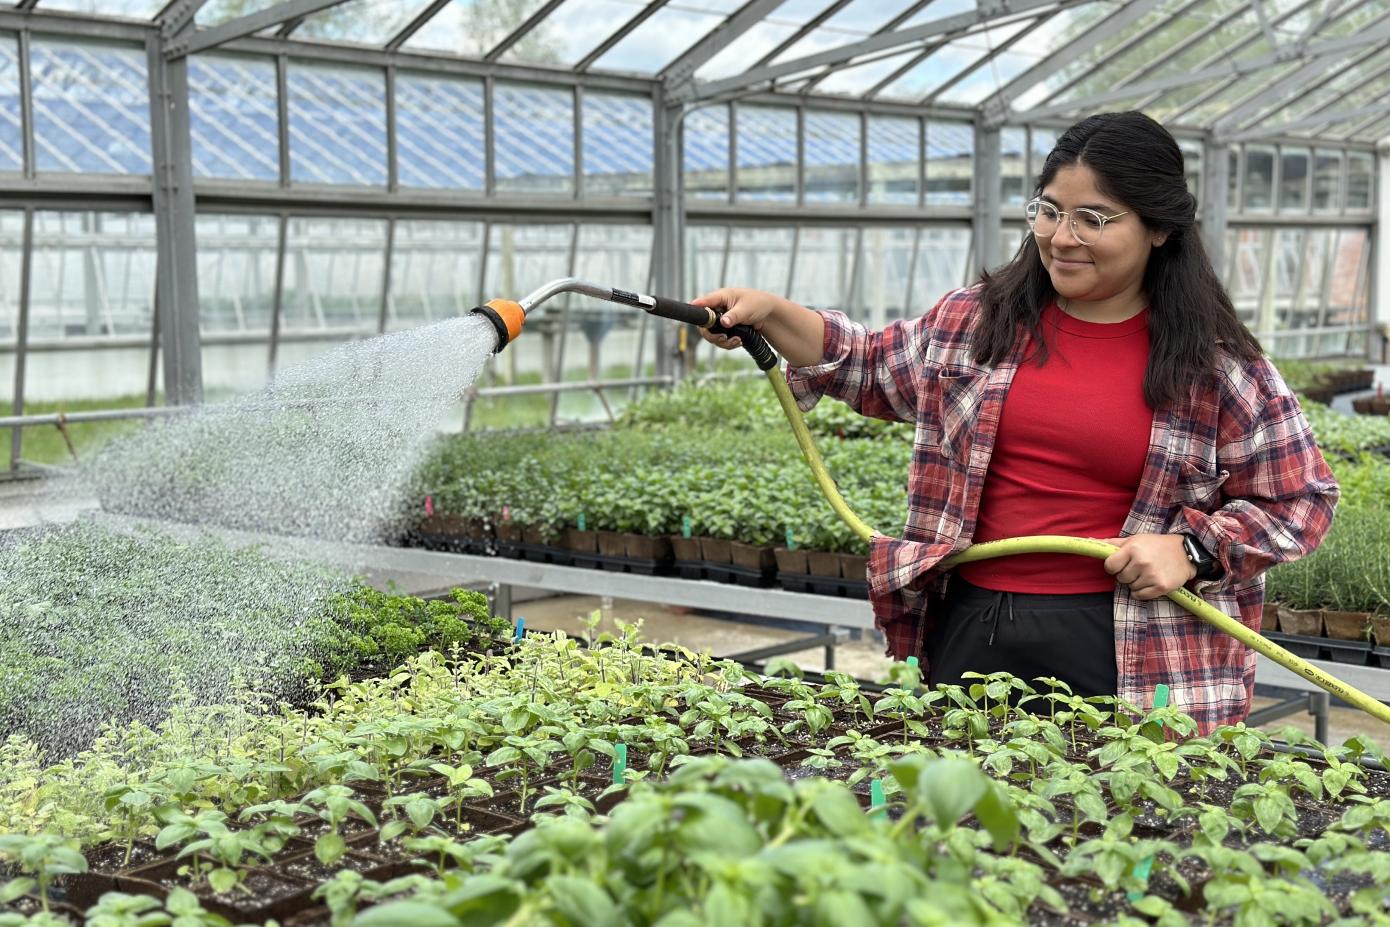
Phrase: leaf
[840,813]
[582,902]
[1268,813]
[330,848]
[222,880]
[949,788]
[999,818]
[15,888]
[414,913]
[838,908]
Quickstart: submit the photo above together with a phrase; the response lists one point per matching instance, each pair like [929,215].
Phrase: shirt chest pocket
[1198,487]
[960,395]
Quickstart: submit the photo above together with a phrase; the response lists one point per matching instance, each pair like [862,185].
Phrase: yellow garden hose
[1054,544]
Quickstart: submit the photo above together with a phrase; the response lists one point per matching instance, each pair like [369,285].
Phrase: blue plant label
[582,522]
[520,629]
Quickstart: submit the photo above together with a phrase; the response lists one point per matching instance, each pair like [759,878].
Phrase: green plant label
[685,526]
[619,764]
[911,661]
[582,522]
[876,798]
[791,540]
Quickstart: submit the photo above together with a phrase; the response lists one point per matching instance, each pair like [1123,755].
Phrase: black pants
[1068,637]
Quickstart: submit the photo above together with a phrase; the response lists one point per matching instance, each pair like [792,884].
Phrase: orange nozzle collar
[506,317]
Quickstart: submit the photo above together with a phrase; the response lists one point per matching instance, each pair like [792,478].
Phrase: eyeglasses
[1087,225]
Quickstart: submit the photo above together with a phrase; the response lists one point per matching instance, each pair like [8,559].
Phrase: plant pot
[583,542]
[687,549]
[854,567]
[1346,626]
[1380,630]
[1372,405]
[752,557]
[790,561]
[612,544]
[643,547]
[508,531]
[540,535]
[1269,618]
[715,550]
[1303,623]
[822,563]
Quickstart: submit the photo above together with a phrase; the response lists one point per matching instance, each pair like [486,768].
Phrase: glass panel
[434,271]
[333,273]
[950,61]
[234,119]
[752,46]
[91,108]
[1360,170]
[858,80]
[572,31]
[894,152]
[950,163]
[1259,179]
[825,269]
[704,257]
[759,258]
[370,22]
[854,22]
[1041,142]
[885,258]
[1013,165]
[470,28]
[1245,279]
[337,125]
[601,338]
[705,158]
[11,138]
[534,140]
[126,9]
[1293,179]
[221,11]
[986,80]
[617,145]
[941,265]
[93,274]
[832,157]
[1327,181]
[659,41]
[522,257]
[766,153]
[236,272]
[439,132]
[1192,166]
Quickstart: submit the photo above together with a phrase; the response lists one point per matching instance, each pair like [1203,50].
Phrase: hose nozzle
[506,316]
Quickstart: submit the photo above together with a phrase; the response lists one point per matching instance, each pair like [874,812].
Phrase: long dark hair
[1136,161]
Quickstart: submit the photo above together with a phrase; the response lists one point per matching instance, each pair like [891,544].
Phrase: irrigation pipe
[1056,544]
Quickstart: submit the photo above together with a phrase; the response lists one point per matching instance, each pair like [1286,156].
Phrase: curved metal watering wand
[507,317]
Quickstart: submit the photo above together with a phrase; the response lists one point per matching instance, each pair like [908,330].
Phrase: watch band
[1207,566]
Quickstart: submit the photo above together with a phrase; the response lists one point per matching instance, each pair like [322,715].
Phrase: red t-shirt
[1070,451]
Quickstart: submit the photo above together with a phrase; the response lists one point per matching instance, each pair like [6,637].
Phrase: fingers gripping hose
[1053,544]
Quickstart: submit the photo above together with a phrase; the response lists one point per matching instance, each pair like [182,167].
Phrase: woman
[1099,385]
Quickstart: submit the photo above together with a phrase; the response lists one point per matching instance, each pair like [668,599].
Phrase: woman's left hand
[1152,565]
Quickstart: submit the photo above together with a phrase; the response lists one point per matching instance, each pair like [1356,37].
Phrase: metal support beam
[668,216]
[416,24]
[1216,178]
[176,269]
[995,108]
[1329,52]
[521,31]
[1308,122]
[948,25]
[188,42]
[26,267]
[647,12]
[683,69]
[988,215]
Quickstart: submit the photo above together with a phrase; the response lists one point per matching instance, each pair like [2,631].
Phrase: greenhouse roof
[1242,69]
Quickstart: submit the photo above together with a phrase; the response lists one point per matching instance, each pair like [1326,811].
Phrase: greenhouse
[694,463]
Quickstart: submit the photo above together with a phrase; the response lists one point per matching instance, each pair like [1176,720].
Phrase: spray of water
[97,624]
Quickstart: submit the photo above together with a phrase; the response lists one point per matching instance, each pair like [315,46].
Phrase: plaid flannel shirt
[1235,464]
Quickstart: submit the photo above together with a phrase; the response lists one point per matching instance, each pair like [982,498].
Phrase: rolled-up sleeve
[1279,498]
[878,374]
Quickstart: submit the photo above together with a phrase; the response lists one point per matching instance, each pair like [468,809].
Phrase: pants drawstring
[993,614]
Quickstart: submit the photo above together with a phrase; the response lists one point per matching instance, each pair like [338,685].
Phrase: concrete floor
[862,658]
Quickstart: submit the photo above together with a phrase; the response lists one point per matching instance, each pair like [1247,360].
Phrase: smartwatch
[1207,566]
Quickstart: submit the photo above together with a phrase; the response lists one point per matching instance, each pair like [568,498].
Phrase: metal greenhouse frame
[232,176]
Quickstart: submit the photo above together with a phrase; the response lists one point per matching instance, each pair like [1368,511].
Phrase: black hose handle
[753,341]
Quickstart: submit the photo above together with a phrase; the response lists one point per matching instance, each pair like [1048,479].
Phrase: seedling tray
[1309,648]
[1357,653]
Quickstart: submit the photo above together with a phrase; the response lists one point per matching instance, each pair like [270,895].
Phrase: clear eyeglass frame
[1087,225]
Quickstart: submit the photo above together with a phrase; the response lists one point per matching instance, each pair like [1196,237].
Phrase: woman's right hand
[740,306]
